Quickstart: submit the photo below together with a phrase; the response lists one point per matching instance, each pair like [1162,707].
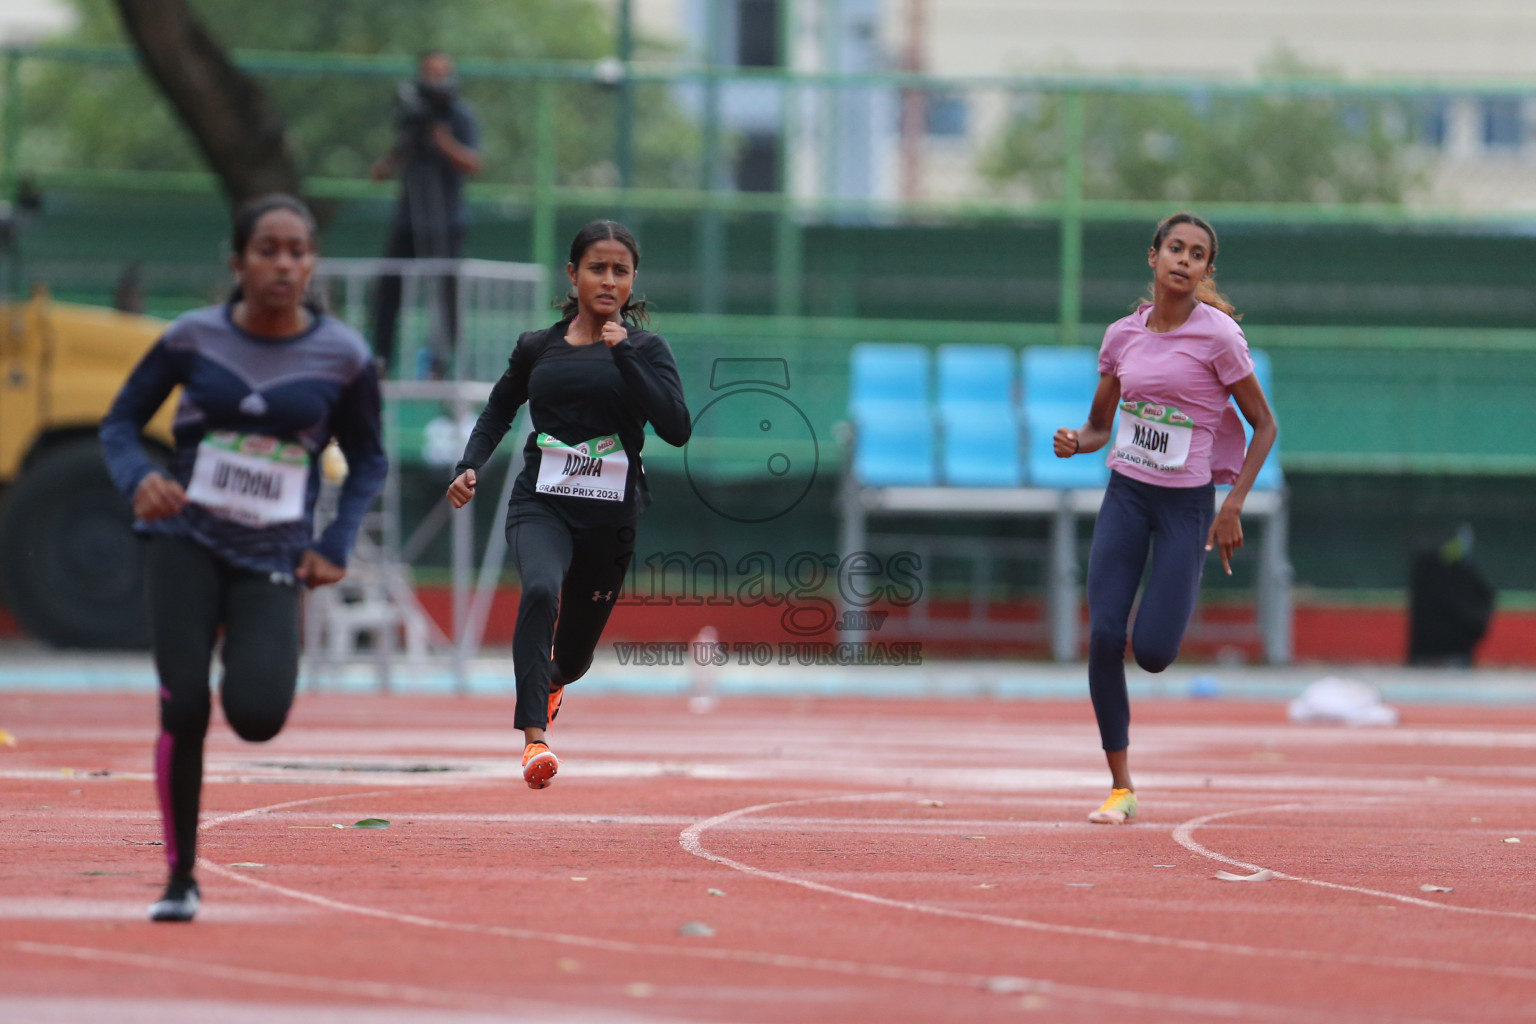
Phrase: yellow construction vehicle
[70,569]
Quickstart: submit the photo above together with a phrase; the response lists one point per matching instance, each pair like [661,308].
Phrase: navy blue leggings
[1135,516]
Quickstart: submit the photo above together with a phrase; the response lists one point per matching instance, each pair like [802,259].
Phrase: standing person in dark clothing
[592,382]
[267,382]
[1450,604]
[435,149]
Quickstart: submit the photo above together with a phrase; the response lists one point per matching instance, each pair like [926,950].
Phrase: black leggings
[191,594]
[571,574]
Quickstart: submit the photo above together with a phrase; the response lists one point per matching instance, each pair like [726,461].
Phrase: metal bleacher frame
[862,505]
[495,301]
[859,504]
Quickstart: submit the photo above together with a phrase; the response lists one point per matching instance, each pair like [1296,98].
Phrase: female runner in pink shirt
[1169,368]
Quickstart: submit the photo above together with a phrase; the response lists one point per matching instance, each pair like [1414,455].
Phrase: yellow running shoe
[555,696]
[539,765]
[1117,810]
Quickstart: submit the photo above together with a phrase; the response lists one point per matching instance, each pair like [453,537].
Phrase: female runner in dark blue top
[267,382]
[592,383]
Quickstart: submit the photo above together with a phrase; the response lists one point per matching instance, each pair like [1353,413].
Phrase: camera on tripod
[421,105]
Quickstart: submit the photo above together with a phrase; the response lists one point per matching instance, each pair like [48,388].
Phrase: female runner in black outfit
[592,382]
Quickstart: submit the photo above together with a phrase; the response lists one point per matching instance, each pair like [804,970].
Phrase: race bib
[250,478]
[592,469]
[1153,435]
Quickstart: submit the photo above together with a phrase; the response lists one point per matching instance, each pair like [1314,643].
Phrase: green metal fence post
[10,133]
[788,238]
[1070,303]
[625,145]
[544,161]
[711,228]
[831,96]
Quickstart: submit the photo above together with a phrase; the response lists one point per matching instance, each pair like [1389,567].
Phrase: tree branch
[224,110]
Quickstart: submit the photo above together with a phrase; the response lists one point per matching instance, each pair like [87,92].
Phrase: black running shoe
[179,902]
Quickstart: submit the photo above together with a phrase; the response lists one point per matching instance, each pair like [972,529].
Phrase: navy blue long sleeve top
[252,391]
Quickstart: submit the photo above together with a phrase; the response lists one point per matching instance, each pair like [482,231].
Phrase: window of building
[757,33]
[947,114]
[1432,122]
[1503,122]
[757,163]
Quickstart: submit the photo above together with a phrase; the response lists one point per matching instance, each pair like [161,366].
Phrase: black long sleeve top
[589,404]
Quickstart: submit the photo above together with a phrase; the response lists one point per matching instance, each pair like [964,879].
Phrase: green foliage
[89,116]
[1281,147]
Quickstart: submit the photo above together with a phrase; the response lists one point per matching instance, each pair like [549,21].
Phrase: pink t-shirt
[1176,427]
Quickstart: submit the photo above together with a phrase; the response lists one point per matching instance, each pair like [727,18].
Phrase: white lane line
[1001,984]
[225,819]
[1006,985]
[308,982]
[43,908]
[612,945]
[691,840]
[1022,785]
[1184,835]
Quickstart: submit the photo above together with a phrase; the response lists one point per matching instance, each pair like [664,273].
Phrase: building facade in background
[26,21]
[1470,125]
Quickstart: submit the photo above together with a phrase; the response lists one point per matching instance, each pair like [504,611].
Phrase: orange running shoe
[555,696]
[539,765]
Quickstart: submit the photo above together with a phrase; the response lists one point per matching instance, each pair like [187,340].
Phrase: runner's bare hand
[1065,443]
[317,570]
[613,333]
[1226,535]
[158,497]
[462,489]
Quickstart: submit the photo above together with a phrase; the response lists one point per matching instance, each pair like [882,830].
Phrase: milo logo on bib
[591,469]
[1153,435]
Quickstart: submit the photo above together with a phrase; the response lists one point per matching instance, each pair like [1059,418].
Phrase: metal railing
[1061,628]
[1452,165]
[494,303]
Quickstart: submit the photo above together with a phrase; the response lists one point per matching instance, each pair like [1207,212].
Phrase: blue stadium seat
[881,373]
[888,400]
[981,445]
[1052,374]
[1270,477]
[975,375]
[893,445]
[979,416]
[1058,385]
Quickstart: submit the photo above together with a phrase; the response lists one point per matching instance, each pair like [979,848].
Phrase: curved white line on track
[1004,985]
[269,808]
[690,840]
[1184,836]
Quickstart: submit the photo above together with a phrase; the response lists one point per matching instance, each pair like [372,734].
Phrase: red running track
[880,861]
